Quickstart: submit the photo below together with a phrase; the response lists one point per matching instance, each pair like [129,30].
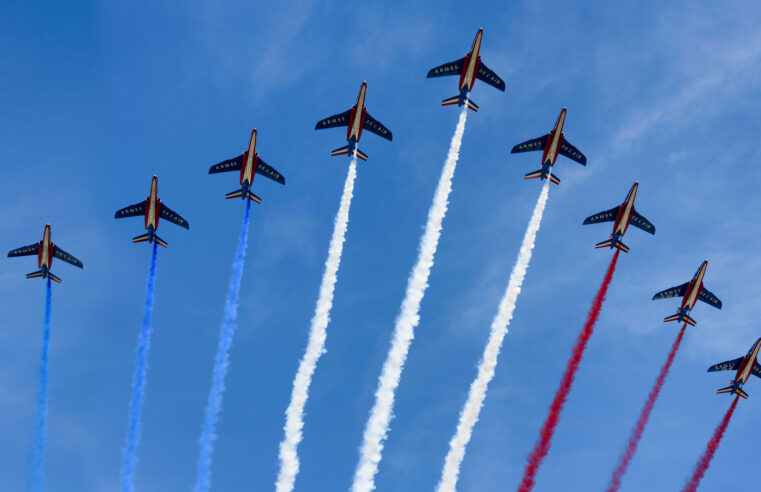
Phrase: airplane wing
[757,370]
[233,164]
[728,365]
[266,170]
[708,297]
[606,216]
[374,126]
[529,145]
[131,211]
[677,291]
[572,153]
[63,255]
[340,119]
[642,223]
[451,68]
[490,77]
[30,250]
[172,216]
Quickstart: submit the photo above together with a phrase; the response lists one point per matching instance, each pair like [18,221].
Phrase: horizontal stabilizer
[685,318]
[451,101]
[604,244]
[472,105]
[607,244]
[554,179]
[141,238]
[54,278]
[239,193]
[36,274]
[729,389]
[340,151]
[361,155]
[535,174]
[622,247]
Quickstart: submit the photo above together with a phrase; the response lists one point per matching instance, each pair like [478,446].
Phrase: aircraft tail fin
[451,101]
[730,389]
[685,318]
[345,151]
[41,273]
[239,193]
[610,244]
[604,244]
[535,174]
[146,237]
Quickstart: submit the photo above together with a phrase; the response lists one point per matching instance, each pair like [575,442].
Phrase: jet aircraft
[623,215]
[691,292]
[152,209]
[552,144]
[356,119]
[745,366]
[248,164]
[45,251]
[469,68]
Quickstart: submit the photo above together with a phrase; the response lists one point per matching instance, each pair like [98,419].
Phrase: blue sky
[97,97]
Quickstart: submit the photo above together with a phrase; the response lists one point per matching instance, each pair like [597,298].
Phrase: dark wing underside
[728,365]
[572,153]
[451,68]
[677,291]
[640,222]
[374,126]
[64,256]
[30,250]
[268,171]
[233,164]
[491,78]
[757,370]
[606,216]
[709,298]
[529,145]
[340,119]
[131,211]
[172,216]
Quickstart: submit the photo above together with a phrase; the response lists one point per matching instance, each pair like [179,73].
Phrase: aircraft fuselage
[554,142]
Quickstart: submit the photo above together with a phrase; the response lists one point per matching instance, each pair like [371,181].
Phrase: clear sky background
[96,97]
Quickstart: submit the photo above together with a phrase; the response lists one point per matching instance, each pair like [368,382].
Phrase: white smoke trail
[294,420]
[377,425]
[477,394]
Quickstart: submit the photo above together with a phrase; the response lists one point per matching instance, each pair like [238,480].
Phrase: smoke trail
[713,445]
[129,452]
[294,421]
[639,428]
[40,430]
[377,425]
[553,417]
[221,361]
[477,394]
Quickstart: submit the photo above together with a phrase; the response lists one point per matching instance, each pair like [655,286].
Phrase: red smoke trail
[553,417]
[713,445]
[631,448]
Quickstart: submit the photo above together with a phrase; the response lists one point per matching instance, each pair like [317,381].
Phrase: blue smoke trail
[40,430]
[138,383]
[221,361]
